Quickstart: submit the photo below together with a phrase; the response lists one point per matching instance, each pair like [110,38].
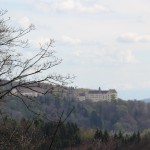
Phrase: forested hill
[115,115]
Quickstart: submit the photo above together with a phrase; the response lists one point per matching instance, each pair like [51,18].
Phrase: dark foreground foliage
[104,140]
[36,135]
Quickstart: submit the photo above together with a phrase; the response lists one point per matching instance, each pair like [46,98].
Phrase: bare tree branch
[18,72]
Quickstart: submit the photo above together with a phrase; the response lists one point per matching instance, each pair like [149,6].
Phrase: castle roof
[94,92]
[113,90]
[97,92]
[102,91]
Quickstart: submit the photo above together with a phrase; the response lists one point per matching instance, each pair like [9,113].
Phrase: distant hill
[147,100]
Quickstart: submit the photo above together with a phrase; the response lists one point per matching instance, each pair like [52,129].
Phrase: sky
[104,43]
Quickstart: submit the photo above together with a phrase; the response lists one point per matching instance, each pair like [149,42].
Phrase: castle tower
[99,89]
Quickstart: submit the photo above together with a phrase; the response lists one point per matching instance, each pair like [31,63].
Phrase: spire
[99,89]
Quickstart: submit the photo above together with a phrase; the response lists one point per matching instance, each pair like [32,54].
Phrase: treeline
[115,115]
[118,137]
[105,140]
[37,135]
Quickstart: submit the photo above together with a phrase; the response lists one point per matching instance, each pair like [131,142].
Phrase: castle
[98,95]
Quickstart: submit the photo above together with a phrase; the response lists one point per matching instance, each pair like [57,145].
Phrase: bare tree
[18,72]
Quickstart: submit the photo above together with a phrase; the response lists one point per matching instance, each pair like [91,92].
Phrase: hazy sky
[102,42]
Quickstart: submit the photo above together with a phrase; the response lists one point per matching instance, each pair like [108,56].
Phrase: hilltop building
[30,90]
[98,95]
